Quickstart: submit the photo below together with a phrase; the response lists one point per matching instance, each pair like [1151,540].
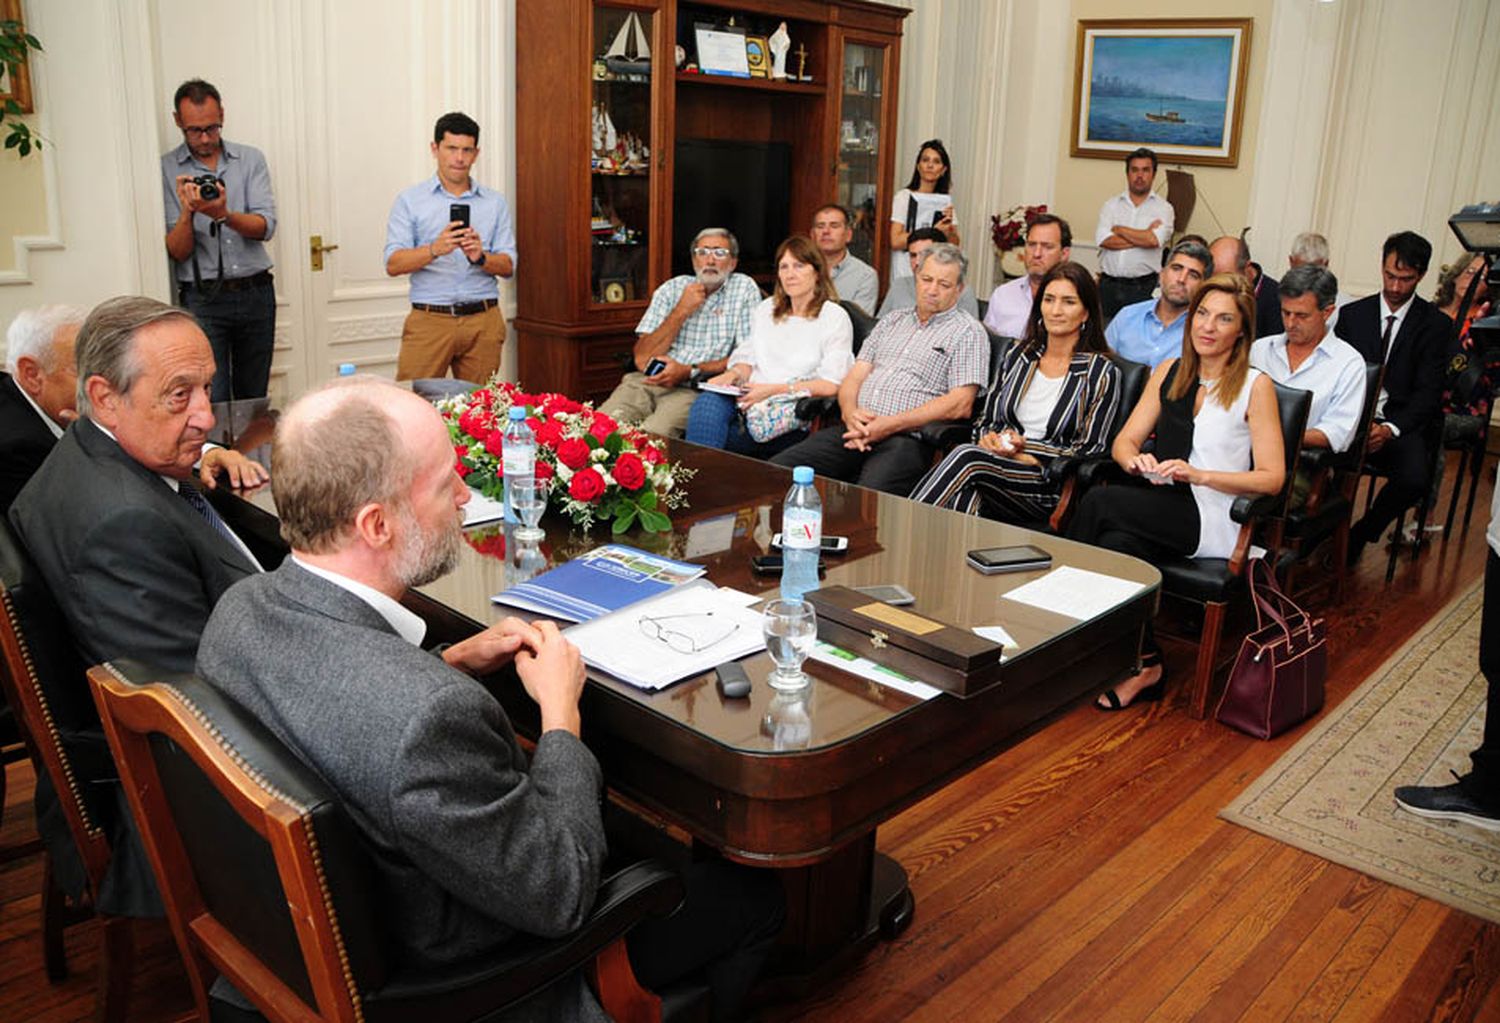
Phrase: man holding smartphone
[454,237]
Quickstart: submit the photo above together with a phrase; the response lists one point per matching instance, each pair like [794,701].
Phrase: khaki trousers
[433,343]
[661,410]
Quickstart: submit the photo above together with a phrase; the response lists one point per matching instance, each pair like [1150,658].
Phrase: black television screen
[743,186]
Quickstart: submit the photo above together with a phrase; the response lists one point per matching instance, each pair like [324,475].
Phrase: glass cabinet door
[620,155]
[860,116]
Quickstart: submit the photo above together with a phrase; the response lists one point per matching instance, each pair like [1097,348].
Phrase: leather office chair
[44,684]
[1329,508]
[1214,582]
[267,881]
[435,389]
[12,750]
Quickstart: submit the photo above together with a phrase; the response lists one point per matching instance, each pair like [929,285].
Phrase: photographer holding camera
[219,211]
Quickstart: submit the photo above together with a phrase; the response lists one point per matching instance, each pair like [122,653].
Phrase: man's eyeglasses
[207,131]
[718,252]
[679,640]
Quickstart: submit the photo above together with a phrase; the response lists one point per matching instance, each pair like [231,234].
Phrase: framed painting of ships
[1176,85]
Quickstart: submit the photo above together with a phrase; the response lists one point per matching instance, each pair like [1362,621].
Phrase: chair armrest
[1248,508]
[1313,460]
[528,964]
[1099,469]
[944,434]
[813,408]
[1064,467]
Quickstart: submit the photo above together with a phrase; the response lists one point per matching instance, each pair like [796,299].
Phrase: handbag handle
[1266,598]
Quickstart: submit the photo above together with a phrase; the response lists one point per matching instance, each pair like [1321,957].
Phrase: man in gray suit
[119,533]
[474,842]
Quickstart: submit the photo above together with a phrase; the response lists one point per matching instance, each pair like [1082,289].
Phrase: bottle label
[801,528]
[518,459]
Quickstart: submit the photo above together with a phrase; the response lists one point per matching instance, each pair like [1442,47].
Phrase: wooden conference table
[801,782]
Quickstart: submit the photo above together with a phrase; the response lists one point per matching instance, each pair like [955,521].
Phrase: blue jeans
[715,422]
[241,329]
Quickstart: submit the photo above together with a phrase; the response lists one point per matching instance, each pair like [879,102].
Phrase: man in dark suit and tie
[37,392]
[132,553]
[1410,336]
[476,844]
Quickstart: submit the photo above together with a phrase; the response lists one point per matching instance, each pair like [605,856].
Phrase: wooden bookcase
[595,241]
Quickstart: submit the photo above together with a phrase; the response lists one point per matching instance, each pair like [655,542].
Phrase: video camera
[1477,228]
[209,187]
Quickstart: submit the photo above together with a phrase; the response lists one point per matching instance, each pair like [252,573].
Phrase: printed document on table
[1075,592]
[482,509]
[719,624]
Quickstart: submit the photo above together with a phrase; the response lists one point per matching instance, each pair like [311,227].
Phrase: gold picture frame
[758,56]
[15,80]
[1175,85]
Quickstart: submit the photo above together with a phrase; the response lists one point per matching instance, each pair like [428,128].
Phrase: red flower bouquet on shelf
[1008,229]
[595,468]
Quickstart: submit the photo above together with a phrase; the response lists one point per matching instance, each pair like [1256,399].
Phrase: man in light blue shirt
[1150,332]
[220,212]
[454,237]
[1309,356]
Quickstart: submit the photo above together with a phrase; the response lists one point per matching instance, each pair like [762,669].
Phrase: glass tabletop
[734,510]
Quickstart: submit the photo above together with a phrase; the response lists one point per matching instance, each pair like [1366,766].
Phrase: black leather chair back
[1133,377]
[863,322]
[1293,405]
[1354,455]
[998,347]
[234,867]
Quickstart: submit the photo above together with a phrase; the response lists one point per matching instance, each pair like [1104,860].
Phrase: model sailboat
[620,59]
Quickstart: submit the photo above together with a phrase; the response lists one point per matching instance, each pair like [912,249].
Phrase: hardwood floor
[1081,876]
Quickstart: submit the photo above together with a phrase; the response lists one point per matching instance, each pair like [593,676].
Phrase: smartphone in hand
[459,211]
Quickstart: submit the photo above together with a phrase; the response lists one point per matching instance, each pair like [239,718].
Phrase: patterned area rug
[1411,722]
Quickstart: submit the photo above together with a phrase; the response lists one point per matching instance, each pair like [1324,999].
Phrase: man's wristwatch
[695,374]
[479,261]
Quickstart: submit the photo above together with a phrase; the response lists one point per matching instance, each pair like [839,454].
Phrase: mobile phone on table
[889,594]
[831,544]
[1021,558]
[655,366]
[459,211]
[772,564]
[733,683]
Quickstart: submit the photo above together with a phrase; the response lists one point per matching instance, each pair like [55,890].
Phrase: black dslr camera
[208,187]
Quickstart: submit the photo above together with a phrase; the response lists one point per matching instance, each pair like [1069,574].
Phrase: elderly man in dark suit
[133,566]
[131,550]
[37,393]
[1411,337]
[474,842]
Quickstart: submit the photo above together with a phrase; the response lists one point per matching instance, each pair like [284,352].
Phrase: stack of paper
[712,626]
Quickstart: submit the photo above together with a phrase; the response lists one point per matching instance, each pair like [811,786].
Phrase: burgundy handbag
[1277,679]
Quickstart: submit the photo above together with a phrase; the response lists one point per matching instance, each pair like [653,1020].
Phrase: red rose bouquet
[595,468]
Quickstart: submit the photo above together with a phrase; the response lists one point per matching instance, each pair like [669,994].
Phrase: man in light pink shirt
[1049,241]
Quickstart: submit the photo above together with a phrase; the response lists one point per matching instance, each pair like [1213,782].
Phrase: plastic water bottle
[801,535]
[517,457]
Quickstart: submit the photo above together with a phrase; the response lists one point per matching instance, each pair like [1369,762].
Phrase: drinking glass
[790,627]
[529,499]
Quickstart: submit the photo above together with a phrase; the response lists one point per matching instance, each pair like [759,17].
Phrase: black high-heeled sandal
[1149,694]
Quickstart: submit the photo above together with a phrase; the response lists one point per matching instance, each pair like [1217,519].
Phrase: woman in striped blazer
[1055,394]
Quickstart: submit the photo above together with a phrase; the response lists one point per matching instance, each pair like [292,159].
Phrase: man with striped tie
[130,549]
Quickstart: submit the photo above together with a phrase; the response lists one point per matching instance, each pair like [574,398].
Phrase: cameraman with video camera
[219,211]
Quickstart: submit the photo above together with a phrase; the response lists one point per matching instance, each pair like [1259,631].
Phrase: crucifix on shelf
[802,63]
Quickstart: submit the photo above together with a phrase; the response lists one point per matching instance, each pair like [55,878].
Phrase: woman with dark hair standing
[932,174]
[801,342]
[1055,394]
[1218,435]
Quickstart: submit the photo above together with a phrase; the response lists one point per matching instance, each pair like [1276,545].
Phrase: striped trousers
[979,482]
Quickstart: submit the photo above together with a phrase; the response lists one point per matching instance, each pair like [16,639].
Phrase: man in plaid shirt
[692,325]
[918,366]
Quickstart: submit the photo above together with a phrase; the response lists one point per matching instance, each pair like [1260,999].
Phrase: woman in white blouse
[801,342]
